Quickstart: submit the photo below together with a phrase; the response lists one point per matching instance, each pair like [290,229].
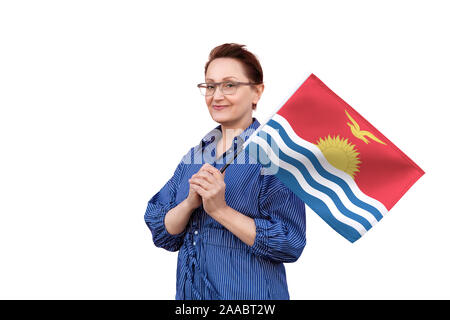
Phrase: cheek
[244,99]
[243,104]
[236,100]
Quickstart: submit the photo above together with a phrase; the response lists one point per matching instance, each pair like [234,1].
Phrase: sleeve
[281,231]
[157,208]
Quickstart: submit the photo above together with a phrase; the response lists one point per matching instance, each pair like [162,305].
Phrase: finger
[214,171]
[206,175]
[221,174]
[217,174]
[198,189]
[201,182]
[205,168]
[199,172]
[207,165]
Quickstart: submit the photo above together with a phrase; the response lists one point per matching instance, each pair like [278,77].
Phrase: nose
[218,93]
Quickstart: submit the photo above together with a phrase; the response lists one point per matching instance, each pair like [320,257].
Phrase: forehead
[225,69]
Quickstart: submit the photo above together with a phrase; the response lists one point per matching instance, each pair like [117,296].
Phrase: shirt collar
[216,133]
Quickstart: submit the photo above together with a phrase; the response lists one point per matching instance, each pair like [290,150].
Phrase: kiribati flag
[343,168]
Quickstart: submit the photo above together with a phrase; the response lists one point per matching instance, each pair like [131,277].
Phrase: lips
[218,107]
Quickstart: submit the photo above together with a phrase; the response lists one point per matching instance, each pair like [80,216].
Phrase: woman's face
[239,105]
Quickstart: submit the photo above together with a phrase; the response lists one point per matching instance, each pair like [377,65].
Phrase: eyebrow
[222,79]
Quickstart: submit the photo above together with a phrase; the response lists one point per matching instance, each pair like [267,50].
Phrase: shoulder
[187,158]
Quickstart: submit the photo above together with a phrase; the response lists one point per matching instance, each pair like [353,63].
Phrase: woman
[233,230]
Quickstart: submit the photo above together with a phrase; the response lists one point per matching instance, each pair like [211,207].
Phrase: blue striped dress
[214,264]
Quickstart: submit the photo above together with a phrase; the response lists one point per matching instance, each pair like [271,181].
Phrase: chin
[220,116]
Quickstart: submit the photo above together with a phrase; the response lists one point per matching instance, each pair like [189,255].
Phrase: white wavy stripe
[318,178]
[308,189]
[327,166]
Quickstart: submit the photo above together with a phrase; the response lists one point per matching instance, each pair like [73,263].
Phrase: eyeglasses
[226,87]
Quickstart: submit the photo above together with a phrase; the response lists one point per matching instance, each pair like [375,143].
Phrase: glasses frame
[238,83]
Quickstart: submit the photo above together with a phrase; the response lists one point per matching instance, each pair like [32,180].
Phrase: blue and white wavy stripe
[330,192]
[325,168]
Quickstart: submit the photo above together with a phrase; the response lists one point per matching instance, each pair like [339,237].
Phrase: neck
[229,131]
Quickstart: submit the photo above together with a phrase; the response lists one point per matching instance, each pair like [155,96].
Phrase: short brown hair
[250,62]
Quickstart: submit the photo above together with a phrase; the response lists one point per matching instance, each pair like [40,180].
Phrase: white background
[98,103]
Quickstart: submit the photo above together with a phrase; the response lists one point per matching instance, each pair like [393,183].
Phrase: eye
[230,84]
[209,86]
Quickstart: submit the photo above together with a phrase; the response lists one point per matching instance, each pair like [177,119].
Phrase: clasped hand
[209,183]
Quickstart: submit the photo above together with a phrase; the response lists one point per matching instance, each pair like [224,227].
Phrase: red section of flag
[385,172]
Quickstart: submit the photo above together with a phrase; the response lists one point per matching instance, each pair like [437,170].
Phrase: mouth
[219,107]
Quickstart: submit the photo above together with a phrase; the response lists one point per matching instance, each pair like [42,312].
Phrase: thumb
[223,173]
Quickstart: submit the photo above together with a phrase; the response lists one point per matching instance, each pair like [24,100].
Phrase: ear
[259,91]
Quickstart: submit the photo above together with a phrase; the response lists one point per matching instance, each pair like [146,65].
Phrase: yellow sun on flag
[340,153]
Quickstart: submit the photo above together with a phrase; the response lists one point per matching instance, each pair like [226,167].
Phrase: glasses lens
[210,89]
[229,88]
[207,89]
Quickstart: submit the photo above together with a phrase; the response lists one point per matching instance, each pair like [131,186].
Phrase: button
[194,243]
[195,232]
